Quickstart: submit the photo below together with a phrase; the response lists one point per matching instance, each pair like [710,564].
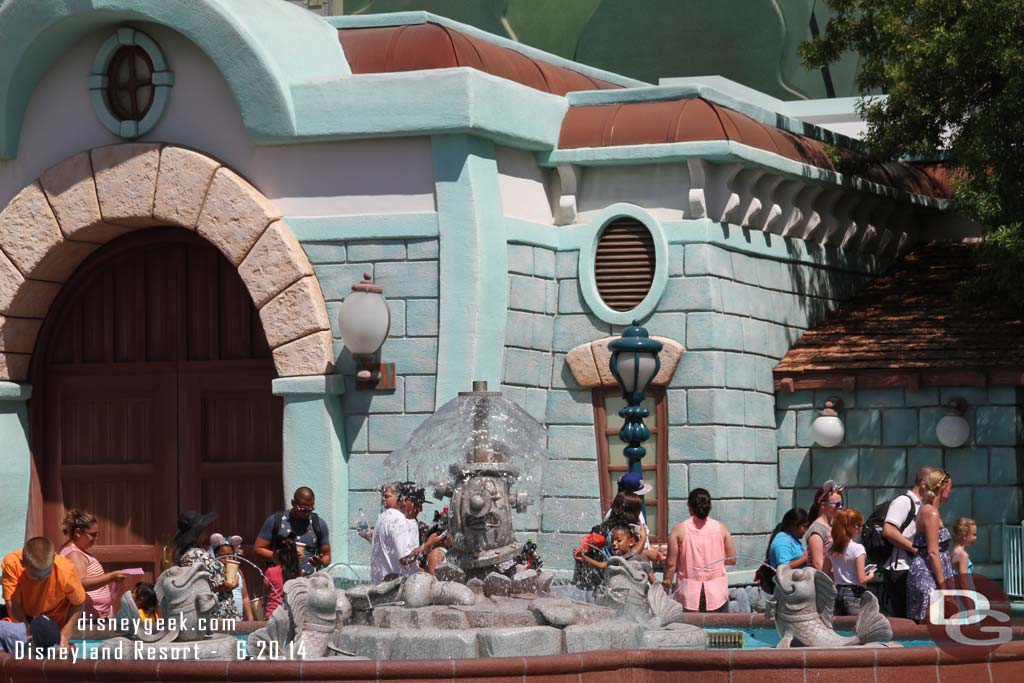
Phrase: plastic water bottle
[363,526]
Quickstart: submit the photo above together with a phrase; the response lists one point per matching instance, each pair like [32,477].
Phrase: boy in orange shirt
[37,582]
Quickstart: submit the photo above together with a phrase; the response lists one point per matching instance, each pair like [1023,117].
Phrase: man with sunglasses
[311,533]
[38,582]
[899,529]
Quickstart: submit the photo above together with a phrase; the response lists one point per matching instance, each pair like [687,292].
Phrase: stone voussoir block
[274,263]
[71,191]
[297,311]
[24,298]
[181,186]
[126,177]
[309,355]
[234,215]
[18,335]
[31,232]
[14,366]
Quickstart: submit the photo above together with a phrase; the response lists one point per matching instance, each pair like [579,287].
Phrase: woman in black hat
[190,547]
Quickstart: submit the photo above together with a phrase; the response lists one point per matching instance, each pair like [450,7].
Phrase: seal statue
[804,600]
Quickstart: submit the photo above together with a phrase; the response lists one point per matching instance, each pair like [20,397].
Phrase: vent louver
[624,264]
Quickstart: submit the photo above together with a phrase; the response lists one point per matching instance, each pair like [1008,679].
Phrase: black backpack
[878,548]
[314,521]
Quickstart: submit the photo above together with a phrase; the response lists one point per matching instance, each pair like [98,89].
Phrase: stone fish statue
[186,602]
[309,618]
[802,609]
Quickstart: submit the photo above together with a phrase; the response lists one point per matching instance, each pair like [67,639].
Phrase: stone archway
[53,224]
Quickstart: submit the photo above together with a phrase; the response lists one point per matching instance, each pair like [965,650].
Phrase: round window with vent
[624,264]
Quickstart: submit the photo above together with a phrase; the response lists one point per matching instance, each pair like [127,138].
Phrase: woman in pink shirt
[698,550]
[81,530]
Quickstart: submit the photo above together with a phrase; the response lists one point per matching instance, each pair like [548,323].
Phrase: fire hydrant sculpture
[480,526]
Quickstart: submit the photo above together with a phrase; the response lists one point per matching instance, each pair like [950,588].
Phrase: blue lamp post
[634,363]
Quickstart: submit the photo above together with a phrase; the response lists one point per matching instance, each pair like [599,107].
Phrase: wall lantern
[827,428]
[364,321]
[953,429]
[634,363]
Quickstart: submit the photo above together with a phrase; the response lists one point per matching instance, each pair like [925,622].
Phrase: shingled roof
[907,328]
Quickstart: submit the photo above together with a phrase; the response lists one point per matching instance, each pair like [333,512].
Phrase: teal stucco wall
[736,301]
[890,434]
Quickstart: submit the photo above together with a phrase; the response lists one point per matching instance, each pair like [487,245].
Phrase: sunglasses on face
[305,508]
[837,503]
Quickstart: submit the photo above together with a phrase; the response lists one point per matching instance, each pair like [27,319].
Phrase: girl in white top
[845,562]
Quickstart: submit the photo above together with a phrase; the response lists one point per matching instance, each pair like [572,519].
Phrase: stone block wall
[378,422]
[736,303]
[890,434]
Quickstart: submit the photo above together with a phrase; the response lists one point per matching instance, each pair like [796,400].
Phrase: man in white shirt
[397,535]
[900,527]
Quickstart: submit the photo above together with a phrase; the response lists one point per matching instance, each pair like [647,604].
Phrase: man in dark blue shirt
[312,536]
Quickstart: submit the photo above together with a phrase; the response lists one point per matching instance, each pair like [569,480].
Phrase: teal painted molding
[314,456]
[412,18]
[314,385]
[438,101]
[365,226]
[473,265]
[723,151]
[588,249]
[701,231]
[535,234]
[767,245]
[260,62]
[15,391]
[14,485]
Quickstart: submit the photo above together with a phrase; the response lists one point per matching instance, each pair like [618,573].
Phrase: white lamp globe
[828,430]
[364,319]
[953,431]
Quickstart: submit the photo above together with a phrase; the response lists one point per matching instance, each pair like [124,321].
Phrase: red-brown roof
[415,47]
[907,327]
[388,49]
[689,120]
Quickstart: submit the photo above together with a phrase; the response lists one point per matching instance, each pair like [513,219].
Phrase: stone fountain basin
[502,626]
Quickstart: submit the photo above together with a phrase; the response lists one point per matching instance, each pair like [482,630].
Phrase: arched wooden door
[153,395]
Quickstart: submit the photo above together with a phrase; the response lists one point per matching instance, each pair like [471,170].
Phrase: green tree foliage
[953,73]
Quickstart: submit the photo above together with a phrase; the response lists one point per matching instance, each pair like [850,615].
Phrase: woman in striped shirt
[80,529]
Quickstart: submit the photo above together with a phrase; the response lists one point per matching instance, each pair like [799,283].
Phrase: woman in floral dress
[931,564]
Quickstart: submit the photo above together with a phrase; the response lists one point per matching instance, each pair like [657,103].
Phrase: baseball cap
[634,483]
[45,632]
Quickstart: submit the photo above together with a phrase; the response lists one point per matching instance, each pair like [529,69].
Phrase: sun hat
[634,483]
[191,525]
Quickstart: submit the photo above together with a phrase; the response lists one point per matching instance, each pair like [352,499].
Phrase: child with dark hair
[785,547]
[144,596]
[624,543]
[286,568]
[845,562]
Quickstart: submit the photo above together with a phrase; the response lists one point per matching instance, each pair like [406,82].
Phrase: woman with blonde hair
[931,568]
[81,530]
[845,562]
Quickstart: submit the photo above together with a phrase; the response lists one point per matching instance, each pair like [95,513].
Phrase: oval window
[624,264]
